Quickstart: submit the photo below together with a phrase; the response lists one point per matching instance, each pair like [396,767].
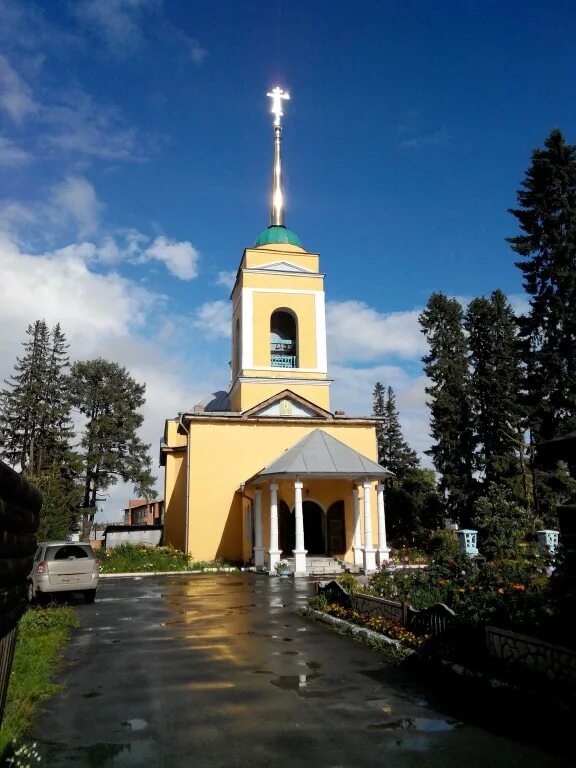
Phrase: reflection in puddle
[293,682]
[136,724]
[420,724]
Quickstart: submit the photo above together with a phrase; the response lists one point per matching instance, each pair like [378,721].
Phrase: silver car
[63,566]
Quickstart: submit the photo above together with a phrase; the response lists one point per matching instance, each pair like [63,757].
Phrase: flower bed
[376,624]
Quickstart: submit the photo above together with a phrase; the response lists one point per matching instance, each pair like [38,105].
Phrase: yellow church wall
[304,307]
[223,455]
[248,394]
[261,280]
[175,500]
[254,258]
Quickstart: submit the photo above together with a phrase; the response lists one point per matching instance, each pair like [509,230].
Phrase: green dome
[276,235]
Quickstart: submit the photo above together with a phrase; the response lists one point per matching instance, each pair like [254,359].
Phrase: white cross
[277,95]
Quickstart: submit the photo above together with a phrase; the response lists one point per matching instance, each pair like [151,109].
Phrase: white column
[357,546]
[258,548]
[274,553]
[383,551]
[369,551]
[299,552]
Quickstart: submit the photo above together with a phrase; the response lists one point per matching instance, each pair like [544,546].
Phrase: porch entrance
[314,529]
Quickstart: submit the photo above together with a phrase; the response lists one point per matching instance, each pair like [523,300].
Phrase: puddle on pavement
[136,724]
[293,682]
[291,653]
[420,724]
[313,664]
[91,694]
[98,755]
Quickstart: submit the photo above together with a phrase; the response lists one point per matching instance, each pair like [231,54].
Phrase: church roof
[321,455]
[277,235]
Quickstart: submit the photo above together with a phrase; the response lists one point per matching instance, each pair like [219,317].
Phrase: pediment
[282,266]
[287,404]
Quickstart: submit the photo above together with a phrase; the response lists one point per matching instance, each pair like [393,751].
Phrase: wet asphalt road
[220,671]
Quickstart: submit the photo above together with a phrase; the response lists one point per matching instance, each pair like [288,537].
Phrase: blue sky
[135,158]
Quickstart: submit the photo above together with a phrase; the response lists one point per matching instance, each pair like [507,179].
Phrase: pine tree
[495,387]
[22,402]
[110,400]
[394,453]
[35,408]
[547,218]
[447,368]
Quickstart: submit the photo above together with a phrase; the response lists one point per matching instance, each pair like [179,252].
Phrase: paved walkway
[218,671]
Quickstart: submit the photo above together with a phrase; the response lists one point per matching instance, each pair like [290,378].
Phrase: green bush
[132,558]
[348,581]
[318,603]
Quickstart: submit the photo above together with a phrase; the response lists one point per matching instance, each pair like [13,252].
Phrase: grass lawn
[42,635]
[131,558]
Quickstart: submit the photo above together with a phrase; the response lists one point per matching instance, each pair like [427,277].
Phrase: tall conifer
[446,366]
[495,387]
[547,247]
[394,453]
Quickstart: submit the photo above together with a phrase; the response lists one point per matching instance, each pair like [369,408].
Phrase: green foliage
[110,400]
[446,366]
[61,496]
[348,581]
[139,558]
[495,386]
[501,522]
[394,453]
[35,426]
[132,558]
[318,603]
[547,247]
[414,507]
[443,545]
[42,634]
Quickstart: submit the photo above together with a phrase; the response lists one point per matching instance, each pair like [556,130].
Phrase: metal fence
[429,621]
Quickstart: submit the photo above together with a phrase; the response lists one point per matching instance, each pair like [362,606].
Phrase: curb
[367,634]
[168,573]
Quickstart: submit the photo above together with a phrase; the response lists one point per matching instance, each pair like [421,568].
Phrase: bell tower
[278,308]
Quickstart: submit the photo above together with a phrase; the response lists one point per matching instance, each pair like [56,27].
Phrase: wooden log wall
[20,506]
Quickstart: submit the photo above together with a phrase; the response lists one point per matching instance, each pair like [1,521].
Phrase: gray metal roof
[321,455]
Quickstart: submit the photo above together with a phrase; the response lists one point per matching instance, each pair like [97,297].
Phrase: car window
[38,554]
[68,551]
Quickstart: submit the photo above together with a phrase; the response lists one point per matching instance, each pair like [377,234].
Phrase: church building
[266,470]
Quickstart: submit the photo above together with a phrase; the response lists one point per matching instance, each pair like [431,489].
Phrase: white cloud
[226,279]
[15,95]
[359,332]
[117,21]
[75,199]
[213,317]
[11,155]
[440,138]
[180,258]
[196,52]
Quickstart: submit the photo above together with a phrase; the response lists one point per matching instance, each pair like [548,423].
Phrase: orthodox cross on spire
[277,209]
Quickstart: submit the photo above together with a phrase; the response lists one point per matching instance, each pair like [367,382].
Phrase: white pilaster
[299,552]
[247,328]
[274,553]
[383,551]
[258,548]
[369,552]
[356,545]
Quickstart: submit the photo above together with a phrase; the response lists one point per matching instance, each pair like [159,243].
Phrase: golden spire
[277,208]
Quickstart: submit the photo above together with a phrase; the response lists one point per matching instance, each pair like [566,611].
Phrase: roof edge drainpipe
[186,510]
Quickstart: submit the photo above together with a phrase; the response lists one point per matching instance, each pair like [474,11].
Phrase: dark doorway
[314,539]
[286,529]
[336,527]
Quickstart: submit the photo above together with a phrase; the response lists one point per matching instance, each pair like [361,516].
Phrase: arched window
[283,339]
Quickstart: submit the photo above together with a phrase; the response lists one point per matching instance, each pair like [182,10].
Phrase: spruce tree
[394,453]
[547,247]
[446,366]
[23,401]
[495,387]
[111,449]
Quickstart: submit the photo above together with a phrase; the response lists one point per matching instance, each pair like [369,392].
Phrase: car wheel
[31,593]
[43,597]
[90,595]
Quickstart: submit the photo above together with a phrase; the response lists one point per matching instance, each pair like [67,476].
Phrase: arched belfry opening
[283,339]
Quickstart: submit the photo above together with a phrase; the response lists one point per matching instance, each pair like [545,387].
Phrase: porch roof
[321,455]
